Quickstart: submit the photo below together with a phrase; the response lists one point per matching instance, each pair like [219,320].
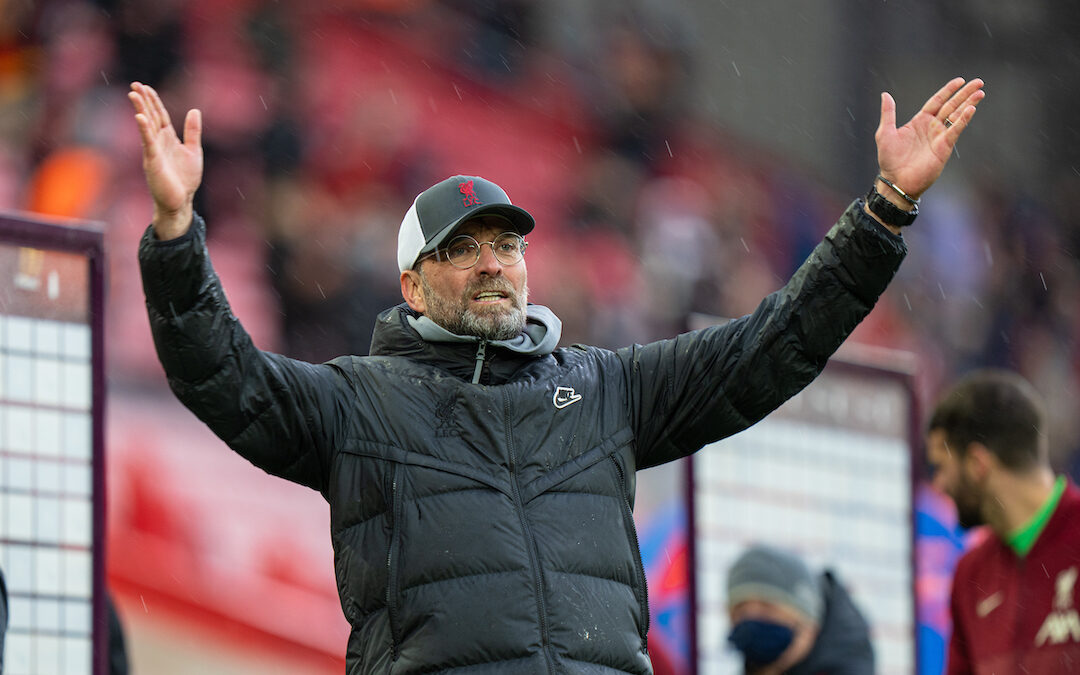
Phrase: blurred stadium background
[681,157]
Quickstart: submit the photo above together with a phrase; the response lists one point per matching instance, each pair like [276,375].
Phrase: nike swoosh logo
[564,396]
[989,604]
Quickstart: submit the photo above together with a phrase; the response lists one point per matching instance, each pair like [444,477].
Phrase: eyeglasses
[463,251]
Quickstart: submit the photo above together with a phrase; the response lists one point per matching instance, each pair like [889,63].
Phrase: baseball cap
[767,573]
[437,211]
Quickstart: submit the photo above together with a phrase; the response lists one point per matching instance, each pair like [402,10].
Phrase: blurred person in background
[480,479]
[118,660]
[117,651]
[786,619]
[1014,597]
[3,617]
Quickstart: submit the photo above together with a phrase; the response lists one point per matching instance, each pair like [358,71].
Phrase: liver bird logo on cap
[466,189]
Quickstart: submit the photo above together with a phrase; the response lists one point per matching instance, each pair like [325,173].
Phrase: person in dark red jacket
[1015,606]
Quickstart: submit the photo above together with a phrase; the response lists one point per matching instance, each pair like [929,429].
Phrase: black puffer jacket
[487,528]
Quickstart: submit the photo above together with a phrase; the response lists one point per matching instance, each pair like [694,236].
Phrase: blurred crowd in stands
[323,120]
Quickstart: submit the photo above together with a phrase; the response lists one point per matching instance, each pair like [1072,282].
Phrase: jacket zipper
[534,555]
[392,565]
[642,590]
[481,352]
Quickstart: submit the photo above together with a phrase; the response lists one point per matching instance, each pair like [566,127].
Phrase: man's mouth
[489,296]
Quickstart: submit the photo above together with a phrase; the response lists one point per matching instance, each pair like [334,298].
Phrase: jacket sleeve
[706,385]
[957,662]
[280,414]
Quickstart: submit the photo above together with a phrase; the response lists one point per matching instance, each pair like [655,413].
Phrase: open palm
[914,155]
[173,167]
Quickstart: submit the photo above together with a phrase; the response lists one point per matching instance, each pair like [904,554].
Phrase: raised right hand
[173,168]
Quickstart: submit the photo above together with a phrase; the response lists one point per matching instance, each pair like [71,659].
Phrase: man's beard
[487,323]
[969,516]
[968,509]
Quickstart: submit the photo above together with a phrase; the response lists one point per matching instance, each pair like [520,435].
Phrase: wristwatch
[888,212]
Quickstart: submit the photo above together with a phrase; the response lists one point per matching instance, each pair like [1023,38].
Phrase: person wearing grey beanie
[788,620]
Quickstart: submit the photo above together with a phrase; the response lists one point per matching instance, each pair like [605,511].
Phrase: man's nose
[487,263]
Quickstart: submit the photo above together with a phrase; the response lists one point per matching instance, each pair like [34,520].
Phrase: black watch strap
[888,212]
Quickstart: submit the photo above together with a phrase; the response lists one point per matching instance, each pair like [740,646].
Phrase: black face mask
[761,642]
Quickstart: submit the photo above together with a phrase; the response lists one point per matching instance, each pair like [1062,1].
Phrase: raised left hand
[913,156]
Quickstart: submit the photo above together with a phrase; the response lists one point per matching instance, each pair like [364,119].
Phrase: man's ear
[413,291]
[980,461]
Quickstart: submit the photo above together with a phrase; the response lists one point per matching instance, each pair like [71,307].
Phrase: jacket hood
[399,331]
[844,641]
[540,337]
